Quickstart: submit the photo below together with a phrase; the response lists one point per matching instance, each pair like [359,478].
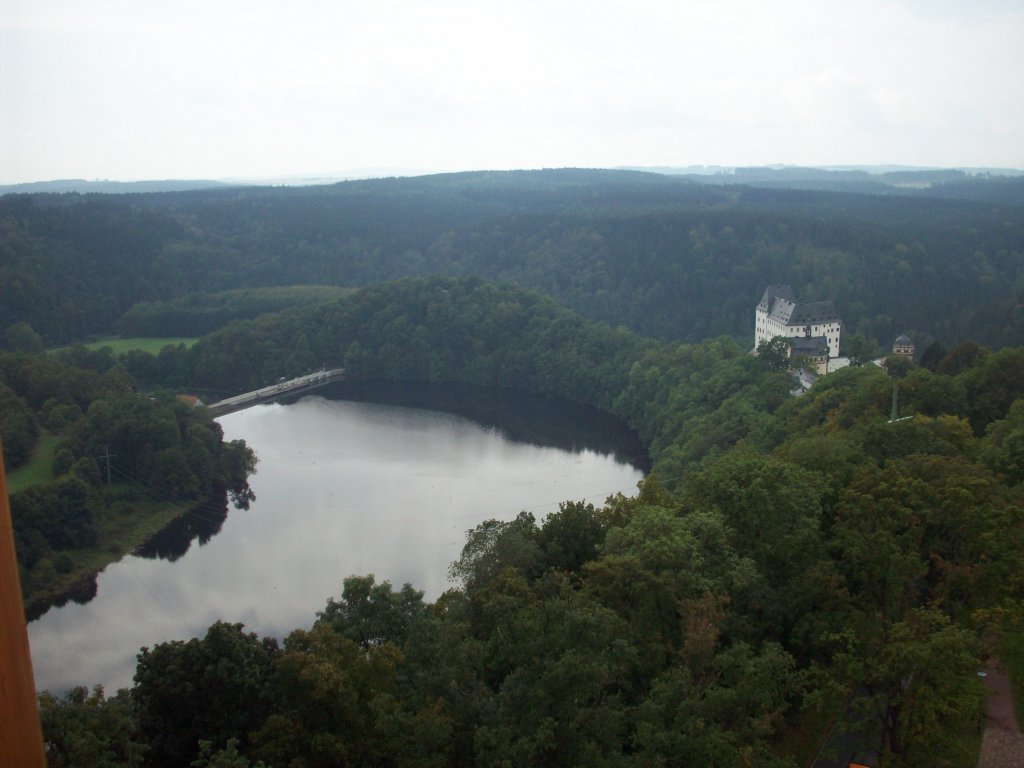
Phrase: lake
[343,486]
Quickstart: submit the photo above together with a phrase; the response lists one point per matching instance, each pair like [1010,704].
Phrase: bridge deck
[275,391]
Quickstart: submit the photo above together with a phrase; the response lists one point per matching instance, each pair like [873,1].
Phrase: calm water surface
[341,488]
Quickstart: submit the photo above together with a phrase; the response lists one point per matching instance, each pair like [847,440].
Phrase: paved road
[1002,746]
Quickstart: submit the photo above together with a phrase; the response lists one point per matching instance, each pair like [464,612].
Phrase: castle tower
[903,346]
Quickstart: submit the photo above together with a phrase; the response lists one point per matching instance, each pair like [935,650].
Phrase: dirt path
[1002,746]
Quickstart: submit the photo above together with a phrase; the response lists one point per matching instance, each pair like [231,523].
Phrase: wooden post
[21,736]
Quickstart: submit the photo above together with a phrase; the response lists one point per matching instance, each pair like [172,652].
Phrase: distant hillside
[673,257]
[874,170]
[964,183]
[108,187]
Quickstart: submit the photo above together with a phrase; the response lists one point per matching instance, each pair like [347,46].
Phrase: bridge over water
[275,391]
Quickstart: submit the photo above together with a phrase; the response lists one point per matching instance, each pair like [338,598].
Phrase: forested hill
[664,256]
[789,563]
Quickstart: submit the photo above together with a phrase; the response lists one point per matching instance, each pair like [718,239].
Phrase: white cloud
[225,88]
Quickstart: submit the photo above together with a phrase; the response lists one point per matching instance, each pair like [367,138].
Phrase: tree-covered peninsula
[101,468]
[789,562]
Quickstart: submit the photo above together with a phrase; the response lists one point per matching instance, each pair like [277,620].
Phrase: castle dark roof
[817,312]
[773,292]
[903,341]
[812,346]
[780,303]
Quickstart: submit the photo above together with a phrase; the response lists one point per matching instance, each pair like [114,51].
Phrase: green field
[38,470]
[145,343]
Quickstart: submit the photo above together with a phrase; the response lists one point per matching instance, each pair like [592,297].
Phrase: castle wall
[767,328]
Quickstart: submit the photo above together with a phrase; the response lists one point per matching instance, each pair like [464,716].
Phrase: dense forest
[664,256]
[789,560]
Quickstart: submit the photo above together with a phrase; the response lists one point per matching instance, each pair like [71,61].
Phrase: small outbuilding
[903,346]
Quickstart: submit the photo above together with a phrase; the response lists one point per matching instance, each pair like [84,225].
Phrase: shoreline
[79,584]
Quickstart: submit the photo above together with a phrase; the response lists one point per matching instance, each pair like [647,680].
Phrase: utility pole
[108,456]
[894,415]
[21,735]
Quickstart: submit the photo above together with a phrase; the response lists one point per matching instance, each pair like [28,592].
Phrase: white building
[780,314]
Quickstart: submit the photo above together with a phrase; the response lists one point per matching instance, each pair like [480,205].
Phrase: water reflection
[201,523]
[519,416]
[81,593]
[342,488]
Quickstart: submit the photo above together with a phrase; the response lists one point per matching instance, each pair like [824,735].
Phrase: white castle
[815,328]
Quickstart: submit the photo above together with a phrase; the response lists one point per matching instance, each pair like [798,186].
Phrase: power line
[197,510]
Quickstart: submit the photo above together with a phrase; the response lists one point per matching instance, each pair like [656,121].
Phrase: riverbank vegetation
[102,467]
[786,557]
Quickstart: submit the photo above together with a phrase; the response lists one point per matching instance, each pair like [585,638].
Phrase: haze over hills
[862,179]
[880,178]
[107,186]
[874,170]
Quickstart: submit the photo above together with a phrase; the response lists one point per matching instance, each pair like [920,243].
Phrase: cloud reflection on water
[341,488]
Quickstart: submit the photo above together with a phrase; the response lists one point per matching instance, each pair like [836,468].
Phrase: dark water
[343,487]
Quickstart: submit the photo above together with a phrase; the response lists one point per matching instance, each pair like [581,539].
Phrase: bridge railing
[272,392]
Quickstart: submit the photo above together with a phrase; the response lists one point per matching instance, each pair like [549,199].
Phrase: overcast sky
[138,89]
